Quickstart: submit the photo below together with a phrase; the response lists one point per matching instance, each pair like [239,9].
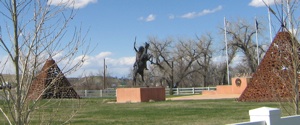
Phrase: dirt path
[202,97]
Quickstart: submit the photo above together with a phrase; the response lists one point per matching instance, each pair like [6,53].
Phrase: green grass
[103,112]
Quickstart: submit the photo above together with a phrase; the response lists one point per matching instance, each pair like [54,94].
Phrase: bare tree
[173,60]
[89,82]
[163,56]
[241,36]
[186,57]
[205,56]
[36,30]
[294,24]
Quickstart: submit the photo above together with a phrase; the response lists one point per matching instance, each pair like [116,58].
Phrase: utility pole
[104,68]
[172,78]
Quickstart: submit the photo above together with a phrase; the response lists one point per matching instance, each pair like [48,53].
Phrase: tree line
[200,61]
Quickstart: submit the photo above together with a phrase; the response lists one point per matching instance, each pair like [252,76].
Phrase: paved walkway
[202,97]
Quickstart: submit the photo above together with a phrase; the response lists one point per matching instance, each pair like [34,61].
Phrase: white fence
[111,92]
[269,116]
[189,91]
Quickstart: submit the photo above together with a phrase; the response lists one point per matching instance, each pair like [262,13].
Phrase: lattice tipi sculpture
[273,79]
[51,83]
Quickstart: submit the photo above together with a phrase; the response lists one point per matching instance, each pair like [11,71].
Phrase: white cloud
[191,15]
[71,3]
[103,54]
[94,64]
[119,67]
[115,66]
[260,3]
[149,18]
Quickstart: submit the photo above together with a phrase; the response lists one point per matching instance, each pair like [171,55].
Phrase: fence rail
[189,91]
[96,93]
[111,92]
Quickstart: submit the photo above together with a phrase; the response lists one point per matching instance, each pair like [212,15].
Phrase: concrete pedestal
[140,94]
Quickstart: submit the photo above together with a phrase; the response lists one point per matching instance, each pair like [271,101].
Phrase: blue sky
[113,25]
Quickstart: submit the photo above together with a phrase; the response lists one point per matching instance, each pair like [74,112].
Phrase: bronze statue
[140,64]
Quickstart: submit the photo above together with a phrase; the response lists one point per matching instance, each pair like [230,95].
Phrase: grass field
[105,112]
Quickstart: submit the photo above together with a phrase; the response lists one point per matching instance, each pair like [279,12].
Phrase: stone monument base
[140,94]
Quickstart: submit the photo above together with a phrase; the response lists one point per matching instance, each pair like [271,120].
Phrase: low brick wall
[140,94]
[237,87]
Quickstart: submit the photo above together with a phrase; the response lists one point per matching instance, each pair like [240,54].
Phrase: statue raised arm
[140,64]
[134,45]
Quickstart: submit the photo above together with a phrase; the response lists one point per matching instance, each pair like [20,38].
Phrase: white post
[101,95]
[193,90]
[270,115]
[85,93]
[177,89]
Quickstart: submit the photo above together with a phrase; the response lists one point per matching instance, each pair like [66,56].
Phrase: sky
[114,24]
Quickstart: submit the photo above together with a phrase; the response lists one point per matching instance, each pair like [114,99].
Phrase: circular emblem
[238,82]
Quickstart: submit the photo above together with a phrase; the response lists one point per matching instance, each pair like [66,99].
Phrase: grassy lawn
[100,112]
